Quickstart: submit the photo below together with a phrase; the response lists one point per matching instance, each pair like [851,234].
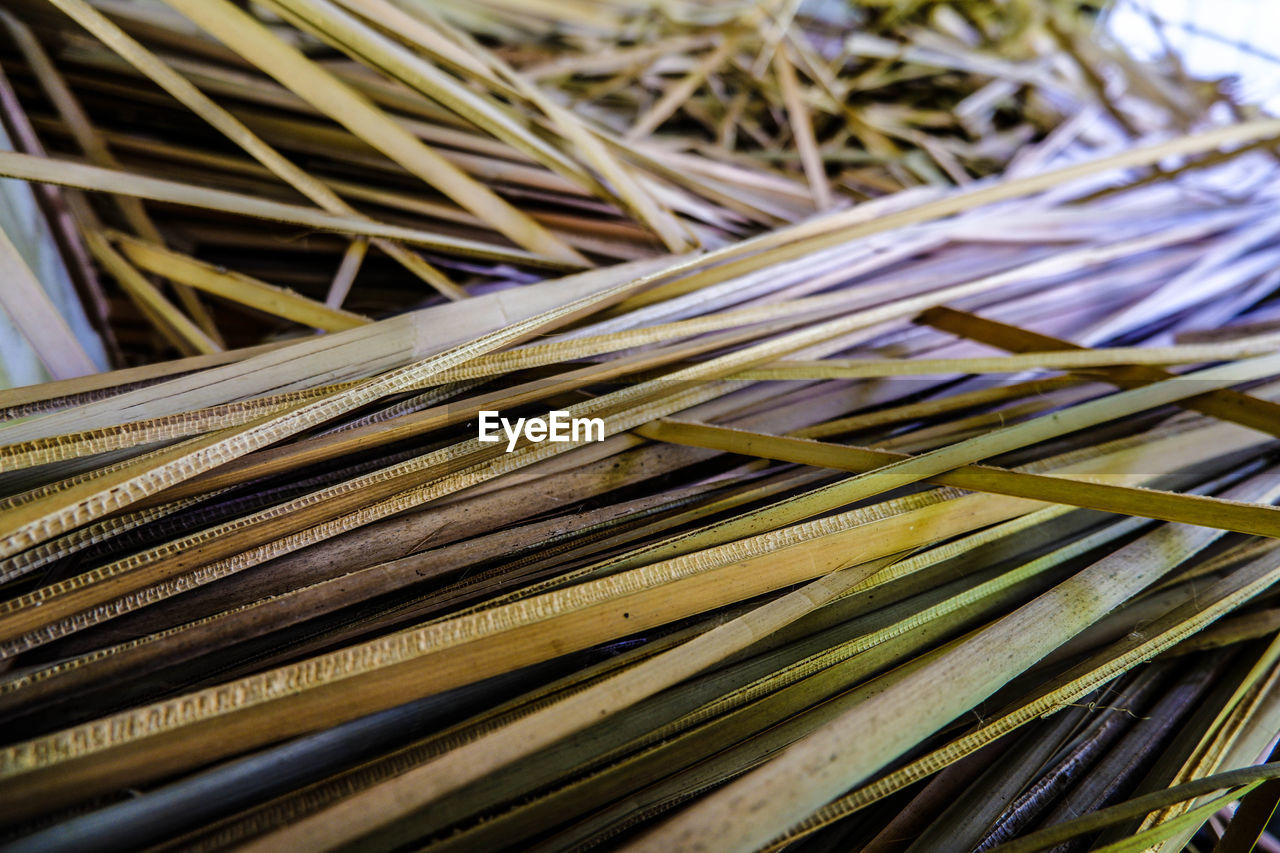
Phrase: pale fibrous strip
[1145,503]
[1222,404]
[235,287]
[37,399]
[876,368]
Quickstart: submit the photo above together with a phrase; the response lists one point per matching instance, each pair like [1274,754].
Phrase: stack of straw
[937,372]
